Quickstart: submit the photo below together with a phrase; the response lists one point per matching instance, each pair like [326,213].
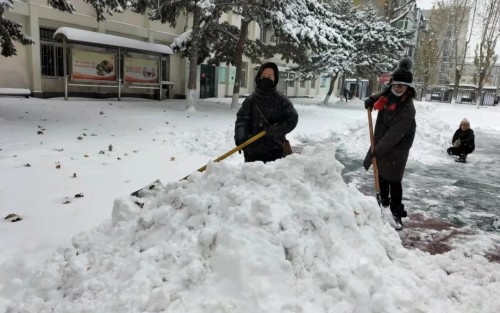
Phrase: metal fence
[490,97]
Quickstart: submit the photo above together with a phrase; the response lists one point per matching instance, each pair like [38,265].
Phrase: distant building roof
[88,37]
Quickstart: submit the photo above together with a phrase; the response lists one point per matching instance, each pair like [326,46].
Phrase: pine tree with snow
[298,24]
[375,46]
[168,11]
[378,45]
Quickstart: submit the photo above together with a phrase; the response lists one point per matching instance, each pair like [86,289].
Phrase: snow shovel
[230,152]
[155,186]
[374,160]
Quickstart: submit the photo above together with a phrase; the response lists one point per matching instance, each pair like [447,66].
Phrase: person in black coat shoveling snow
[462,141]
[265,109]
[394,134]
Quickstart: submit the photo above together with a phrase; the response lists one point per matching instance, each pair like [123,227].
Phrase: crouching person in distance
[462,142]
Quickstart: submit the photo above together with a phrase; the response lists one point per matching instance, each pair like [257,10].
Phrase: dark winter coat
[279,112]
[394,134]
[467,139]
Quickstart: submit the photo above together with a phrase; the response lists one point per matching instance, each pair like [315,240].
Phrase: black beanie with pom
[403,74]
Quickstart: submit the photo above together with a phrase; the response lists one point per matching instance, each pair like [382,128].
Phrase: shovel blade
[149,190]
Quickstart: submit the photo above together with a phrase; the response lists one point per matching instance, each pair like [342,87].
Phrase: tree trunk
[479,99]
[458,76]
[424,91]
[356,88]
[193,61]
[238,60]
[330,90]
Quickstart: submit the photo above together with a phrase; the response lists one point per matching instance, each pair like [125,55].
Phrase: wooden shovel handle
[372,147]
[230,152]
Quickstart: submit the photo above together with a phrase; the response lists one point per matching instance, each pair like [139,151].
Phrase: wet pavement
[450,204]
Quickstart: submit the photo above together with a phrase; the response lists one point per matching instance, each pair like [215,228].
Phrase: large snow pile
[288,236]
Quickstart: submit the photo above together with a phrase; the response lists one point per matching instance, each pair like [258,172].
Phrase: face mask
[265,83]
[396,93]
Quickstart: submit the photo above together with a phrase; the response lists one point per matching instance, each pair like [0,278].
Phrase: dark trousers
[461,150]
[269,156]
[395,190]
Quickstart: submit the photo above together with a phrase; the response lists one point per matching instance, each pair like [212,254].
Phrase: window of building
[244,72]
[302,84]
[313,83]
[404,24]
[51,54]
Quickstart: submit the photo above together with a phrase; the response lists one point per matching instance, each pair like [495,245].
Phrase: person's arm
[292,117]
[288,117]
[456,136]
[242,121]
[370,101]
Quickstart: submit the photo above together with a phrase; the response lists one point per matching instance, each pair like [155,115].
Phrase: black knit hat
[269,65]
[403,74]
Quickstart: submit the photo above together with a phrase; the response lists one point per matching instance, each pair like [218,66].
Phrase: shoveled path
[449,204]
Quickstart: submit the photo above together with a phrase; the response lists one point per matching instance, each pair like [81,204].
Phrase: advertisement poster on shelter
[88,65]
[140,70]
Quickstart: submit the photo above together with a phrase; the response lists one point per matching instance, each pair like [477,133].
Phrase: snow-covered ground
[288,236]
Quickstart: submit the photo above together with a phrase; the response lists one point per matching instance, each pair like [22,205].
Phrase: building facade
[39,67]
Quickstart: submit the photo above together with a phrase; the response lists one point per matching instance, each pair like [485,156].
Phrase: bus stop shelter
[104,60]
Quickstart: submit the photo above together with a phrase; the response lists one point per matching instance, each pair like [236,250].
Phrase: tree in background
[458,12]
[379,45]
[298,25]
[11,31]
[485,57]
[375,46]
[396,10]
[324,41]
[430,46]
[168,11]
[330,60]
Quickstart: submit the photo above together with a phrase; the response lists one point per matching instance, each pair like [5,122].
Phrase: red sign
[385,78]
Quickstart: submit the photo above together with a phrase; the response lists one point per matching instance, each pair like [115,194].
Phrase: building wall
[24,70]
[14,71]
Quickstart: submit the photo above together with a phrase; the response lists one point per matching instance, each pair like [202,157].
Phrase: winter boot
[450,151]
[462,158]
[398,212]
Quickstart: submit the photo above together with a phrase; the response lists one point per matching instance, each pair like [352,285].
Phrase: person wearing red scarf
[394,134]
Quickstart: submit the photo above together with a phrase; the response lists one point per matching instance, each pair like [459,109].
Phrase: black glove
[274,131]
[239,140]
[369,103]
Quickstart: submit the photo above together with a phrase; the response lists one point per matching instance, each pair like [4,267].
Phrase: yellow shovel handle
[235,149]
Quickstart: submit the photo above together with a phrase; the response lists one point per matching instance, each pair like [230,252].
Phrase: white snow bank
[289,236]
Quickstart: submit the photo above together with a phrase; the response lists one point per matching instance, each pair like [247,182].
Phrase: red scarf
[382,103]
